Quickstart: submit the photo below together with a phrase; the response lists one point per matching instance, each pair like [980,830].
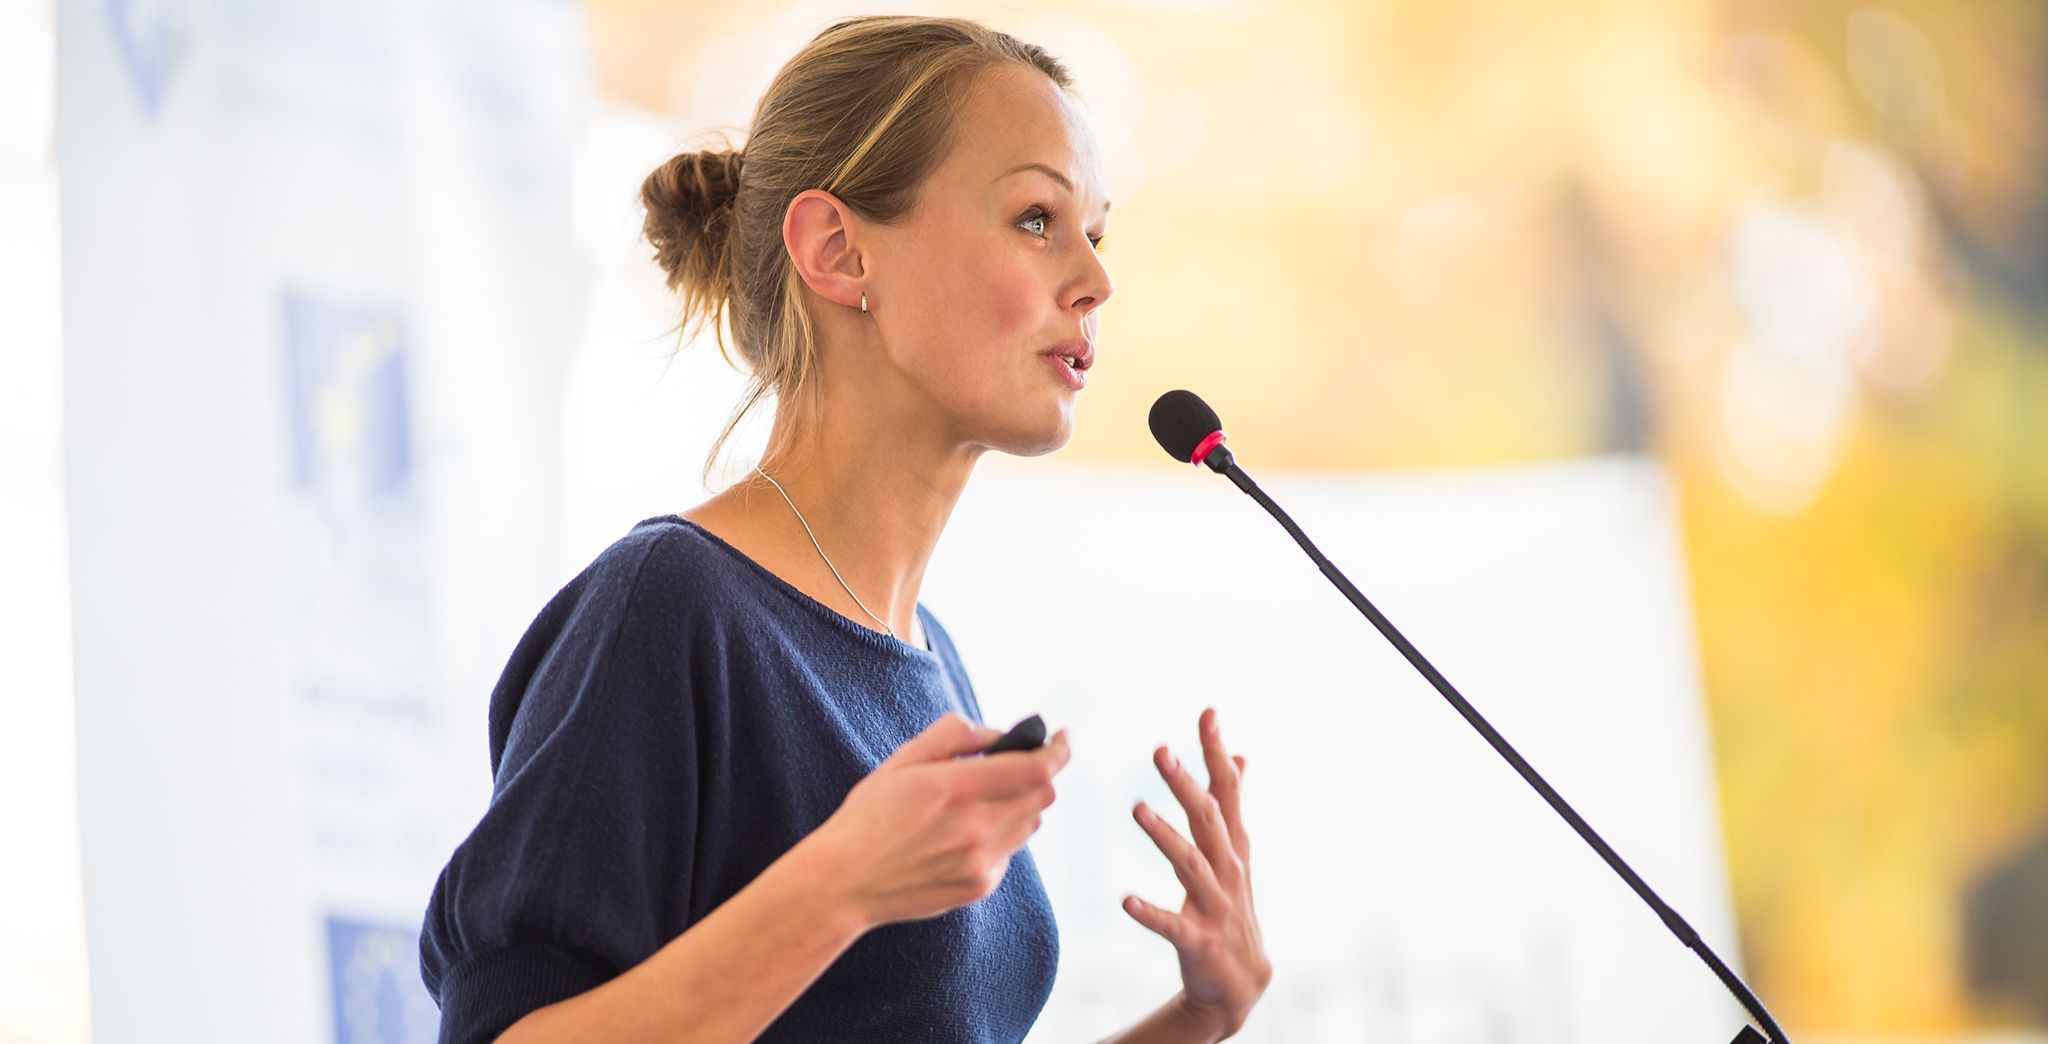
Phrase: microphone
[1188,429]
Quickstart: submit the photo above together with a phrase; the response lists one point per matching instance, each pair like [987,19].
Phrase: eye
[1042,217]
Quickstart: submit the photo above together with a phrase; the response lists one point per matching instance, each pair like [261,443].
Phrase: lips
[1072,377]
[1078,353]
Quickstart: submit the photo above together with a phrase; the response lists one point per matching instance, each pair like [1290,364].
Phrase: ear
[819,232]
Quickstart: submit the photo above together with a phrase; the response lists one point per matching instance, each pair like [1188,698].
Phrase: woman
[736,786]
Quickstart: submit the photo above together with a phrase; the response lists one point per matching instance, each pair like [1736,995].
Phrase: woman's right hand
[930,830]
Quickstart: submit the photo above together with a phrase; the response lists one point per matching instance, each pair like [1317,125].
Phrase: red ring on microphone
[1202,448]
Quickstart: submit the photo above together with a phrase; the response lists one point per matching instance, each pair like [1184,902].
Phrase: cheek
[987,309]
[1011,305]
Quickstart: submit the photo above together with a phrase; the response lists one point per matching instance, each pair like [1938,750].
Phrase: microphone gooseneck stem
[1221,461]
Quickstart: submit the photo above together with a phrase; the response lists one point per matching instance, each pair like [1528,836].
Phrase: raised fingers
[1165,924]
[1205,816]
[1188,862]
[1223,780]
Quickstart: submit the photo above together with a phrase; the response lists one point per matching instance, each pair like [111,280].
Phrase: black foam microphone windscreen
[1180,421]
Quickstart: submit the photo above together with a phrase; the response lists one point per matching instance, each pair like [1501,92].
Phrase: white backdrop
[319,295]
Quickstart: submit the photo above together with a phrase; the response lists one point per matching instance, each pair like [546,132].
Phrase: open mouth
[1074,375]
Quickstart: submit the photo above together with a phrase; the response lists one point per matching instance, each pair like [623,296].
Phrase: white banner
[319,296]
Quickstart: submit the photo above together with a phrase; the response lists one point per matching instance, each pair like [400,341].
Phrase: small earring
[863,303]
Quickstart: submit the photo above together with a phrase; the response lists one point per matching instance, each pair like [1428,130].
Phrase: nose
[1092,286]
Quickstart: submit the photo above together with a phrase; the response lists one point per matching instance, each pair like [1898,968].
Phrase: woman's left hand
[1222,959]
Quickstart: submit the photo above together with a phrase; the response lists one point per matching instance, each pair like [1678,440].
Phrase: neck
[875,495]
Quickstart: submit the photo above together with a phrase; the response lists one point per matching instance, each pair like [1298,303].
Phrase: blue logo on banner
[346,367]
[378,996]
[150,44]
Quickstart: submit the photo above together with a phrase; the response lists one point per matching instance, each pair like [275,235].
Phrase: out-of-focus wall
[1795,252]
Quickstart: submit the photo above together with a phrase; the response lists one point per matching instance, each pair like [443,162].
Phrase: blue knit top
[675,719]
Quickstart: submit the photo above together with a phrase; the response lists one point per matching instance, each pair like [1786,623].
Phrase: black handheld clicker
[1028,734]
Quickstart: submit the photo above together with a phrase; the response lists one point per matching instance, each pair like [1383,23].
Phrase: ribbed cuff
[483,996]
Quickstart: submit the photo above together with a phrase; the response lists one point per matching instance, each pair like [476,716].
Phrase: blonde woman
[739,791]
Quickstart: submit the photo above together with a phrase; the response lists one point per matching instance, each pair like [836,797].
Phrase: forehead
[1016,116]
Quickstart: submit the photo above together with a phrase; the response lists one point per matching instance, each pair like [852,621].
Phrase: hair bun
[689,202]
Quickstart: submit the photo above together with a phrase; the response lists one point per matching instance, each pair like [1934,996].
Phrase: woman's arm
[729,975]
[1173,1023]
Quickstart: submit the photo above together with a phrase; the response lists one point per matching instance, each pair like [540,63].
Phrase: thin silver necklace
[821,553]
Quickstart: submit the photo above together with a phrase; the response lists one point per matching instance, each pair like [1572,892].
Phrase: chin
[1040,442]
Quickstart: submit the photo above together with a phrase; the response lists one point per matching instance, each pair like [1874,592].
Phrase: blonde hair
[866,111]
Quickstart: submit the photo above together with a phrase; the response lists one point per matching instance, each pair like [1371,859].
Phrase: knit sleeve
[587,841]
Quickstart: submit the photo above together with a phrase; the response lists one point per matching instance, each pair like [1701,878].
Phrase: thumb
[950,736]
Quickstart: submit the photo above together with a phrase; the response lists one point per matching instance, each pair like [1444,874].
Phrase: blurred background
[1796,254]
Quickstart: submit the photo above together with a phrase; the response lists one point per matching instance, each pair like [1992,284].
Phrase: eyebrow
[1049,172]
